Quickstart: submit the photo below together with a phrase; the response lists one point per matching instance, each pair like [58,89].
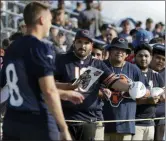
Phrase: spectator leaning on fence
[120,108]
[158,64]
[146,107]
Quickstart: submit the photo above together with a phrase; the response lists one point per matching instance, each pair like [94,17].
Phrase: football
[156,91]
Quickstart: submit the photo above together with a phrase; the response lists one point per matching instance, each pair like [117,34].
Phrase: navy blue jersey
[160,109]
[26,60]
[127,107]
[162,73]
[68,68]
[146,110]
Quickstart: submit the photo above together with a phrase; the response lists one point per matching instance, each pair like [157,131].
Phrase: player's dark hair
[32,12]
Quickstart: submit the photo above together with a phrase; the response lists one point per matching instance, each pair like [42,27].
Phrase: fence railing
[60,28]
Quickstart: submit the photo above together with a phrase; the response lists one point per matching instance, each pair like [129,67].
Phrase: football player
[34,107]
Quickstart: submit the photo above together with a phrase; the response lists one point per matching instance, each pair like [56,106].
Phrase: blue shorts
[26,126]
[24,131]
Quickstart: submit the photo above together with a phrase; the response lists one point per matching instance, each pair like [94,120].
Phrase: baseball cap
[83,34]
[119,43]
[142,36]
[159,49]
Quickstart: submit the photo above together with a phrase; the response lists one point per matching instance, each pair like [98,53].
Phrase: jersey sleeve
[43,58]
[107,76]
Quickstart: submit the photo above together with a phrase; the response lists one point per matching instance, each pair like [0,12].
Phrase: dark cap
[83,34]
[159,49]
[119,43]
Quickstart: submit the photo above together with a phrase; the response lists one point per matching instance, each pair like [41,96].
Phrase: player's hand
[65,135]
[74,97]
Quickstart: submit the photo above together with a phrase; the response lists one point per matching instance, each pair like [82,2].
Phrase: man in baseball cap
[158,60]
[119,43]
[158,64]
[84,34]
[120,108]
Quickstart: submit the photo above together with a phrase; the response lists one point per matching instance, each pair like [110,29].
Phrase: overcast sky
[138,10]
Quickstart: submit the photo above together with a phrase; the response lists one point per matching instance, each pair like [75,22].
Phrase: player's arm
[67,93]
[52,99]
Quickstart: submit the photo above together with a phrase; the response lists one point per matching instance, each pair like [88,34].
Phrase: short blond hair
[33,10]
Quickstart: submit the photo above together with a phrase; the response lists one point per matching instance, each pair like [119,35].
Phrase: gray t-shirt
[90,20]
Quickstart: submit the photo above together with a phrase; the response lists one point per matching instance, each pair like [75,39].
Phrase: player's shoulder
[64,58]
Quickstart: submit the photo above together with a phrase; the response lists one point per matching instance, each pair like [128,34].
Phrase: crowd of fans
[91,19]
